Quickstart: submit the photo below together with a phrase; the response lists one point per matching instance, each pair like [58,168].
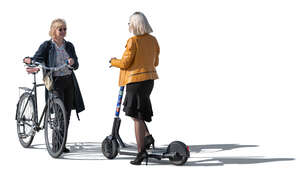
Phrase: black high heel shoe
[148,141]
[139,158]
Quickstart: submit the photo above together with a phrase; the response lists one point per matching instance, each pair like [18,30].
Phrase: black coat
[47,54]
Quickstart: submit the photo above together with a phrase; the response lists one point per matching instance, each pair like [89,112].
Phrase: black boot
[139,158]
[148,141]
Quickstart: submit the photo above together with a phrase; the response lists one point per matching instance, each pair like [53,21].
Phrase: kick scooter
[177,152]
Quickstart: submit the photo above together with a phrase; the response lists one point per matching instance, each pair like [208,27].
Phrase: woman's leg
[147,133]
[68,98]
[59,91]
[148,87]
[139,127]
[148,139]
[68,102]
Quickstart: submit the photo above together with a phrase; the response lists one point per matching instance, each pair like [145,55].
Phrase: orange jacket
[139,60]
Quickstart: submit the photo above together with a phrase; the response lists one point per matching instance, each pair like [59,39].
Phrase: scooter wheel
[180,151]
[110,148]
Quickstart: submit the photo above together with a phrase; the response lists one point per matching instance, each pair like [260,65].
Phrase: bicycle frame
[53,117]
[33,90]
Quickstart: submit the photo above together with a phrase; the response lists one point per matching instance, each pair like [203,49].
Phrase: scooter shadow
[92,151]
[216,161]
[221,161]
[217,147]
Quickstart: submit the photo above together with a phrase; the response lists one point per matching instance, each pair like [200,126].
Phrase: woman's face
[61,32]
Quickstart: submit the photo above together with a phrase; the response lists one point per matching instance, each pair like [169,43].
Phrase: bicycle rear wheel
[25,119]
[56,128]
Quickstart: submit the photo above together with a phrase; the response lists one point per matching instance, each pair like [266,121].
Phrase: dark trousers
[64,89]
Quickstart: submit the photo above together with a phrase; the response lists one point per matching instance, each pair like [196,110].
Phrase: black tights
[141,130]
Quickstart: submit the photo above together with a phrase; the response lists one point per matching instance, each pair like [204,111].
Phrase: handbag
[48,81]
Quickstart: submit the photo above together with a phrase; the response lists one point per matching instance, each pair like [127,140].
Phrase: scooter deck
[130,150]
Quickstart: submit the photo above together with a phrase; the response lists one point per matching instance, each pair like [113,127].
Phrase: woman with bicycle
[137,72]
[55,52]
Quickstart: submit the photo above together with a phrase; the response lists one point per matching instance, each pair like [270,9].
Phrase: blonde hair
[55,24]
[138,24]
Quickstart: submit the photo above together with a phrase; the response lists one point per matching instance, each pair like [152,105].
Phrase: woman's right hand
[27,60]
[112,59]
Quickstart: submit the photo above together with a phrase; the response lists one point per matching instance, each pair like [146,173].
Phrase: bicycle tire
[25,127]
[56,128]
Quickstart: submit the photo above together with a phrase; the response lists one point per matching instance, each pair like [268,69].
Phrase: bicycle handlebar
[35,63]
[52,68]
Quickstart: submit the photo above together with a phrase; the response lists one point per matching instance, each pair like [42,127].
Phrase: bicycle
[54,115]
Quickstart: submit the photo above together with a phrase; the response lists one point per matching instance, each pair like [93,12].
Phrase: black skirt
[137,102]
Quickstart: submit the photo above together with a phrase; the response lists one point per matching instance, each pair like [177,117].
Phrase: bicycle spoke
[57,127]
[60,135]
[54,142]
[28,124]
[55,131]
[25,115]
[60,127]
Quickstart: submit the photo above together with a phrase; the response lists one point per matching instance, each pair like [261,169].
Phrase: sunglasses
[62,29]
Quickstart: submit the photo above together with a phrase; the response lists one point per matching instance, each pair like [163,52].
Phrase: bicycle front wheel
[56,128]
[25,119]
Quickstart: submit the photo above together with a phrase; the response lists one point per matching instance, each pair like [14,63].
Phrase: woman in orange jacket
[137,72]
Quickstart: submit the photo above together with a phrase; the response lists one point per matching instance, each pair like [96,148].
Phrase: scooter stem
[119,101]
[117,120]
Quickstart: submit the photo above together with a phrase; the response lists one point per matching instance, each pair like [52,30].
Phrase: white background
[229,83]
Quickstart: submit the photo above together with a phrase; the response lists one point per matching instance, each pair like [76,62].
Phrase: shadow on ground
[92,151]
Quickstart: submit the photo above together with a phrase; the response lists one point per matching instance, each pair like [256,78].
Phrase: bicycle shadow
[92,151]
[79,151]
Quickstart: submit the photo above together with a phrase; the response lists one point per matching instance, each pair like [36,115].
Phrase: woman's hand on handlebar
[110,61]
[70,61]
[27,60]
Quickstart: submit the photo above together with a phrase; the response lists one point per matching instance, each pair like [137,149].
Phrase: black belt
[63,77]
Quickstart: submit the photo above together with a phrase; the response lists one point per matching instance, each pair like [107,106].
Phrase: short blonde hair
[55,24]
[138,24]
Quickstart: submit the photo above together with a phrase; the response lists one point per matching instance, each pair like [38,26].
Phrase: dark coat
[47,55]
